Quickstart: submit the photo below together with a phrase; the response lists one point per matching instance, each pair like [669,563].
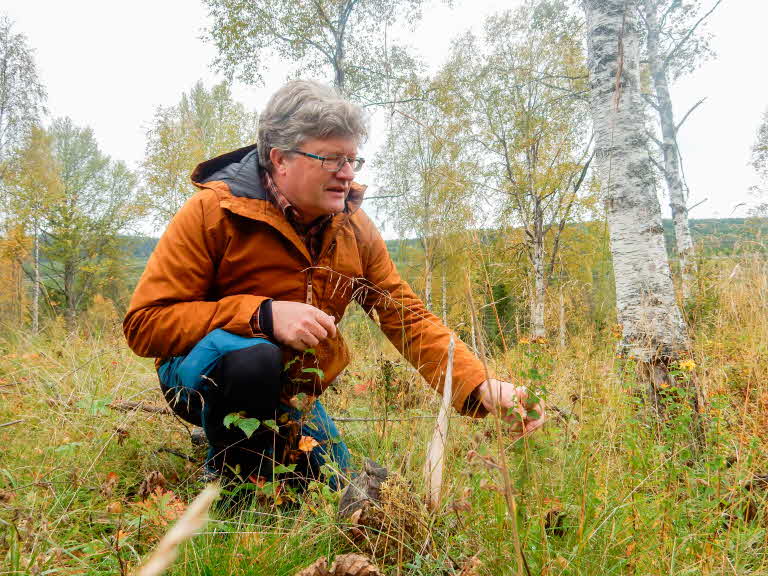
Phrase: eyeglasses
[334,163]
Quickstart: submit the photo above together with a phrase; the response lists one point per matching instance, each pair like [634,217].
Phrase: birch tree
[525,88]
[674,47]
[203,124]
[34,186]
[97,202]
[344,40]
[760,152]
[425,179]
[653,330]
[22,99]
[22,95]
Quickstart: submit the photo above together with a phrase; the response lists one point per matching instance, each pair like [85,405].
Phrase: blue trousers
[227,373]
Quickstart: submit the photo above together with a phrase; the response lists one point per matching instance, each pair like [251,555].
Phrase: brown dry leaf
[307,444]
[109,484]
[151,483]
[122,434]
[5,496]
[317,568]
[471,567]
[354,565]
[115,507]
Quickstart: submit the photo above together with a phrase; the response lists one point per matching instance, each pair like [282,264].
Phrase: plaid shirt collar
[312,233]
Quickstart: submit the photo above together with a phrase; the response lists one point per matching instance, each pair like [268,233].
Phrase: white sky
[109,65]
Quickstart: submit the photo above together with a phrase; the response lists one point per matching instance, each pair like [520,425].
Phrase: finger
[308,339]
[327,322]
[316,330]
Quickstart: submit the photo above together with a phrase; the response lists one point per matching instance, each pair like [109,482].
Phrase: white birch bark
[539,288]
[427,278]
[653,328]
[36,287]
[672,174]
[562,318]
[444,296]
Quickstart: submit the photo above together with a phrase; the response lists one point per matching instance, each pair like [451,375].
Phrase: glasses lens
[336,163]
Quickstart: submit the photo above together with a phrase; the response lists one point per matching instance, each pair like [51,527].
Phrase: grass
[607,490]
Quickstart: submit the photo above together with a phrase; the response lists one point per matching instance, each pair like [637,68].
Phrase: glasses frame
[339,163]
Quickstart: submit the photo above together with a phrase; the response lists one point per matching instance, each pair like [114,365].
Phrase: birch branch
[168,548]
[433,467]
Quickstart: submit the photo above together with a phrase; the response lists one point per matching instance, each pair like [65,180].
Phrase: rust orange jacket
[228,249]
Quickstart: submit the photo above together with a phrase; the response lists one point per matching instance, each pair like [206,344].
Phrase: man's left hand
[514,404]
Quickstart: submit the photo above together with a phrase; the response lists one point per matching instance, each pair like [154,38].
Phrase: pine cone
[318,568]
[344,565]
[354,565]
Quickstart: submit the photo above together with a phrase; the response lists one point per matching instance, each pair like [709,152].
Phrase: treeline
[489,163]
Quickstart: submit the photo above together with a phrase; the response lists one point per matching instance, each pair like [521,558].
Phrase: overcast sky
[109,65]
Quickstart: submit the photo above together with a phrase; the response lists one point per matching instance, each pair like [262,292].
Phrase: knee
[263,361]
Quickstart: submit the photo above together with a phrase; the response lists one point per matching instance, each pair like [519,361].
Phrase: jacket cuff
[470,404]
[261,321]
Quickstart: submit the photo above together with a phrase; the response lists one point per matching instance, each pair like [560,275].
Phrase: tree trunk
[653,330]
[70,297]
[539,288]
[562,318]
[474,332]
[36,287]
[645,300]
[444,297]
[428,280]
[672,172]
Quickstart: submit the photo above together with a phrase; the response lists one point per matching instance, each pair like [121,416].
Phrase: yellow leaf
[307,444]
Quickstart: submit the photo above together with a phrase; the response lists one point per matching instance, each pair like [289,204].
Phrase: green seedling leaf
[248,425]
[318,371]
[233,418]
[311,351]
[272,425]
[290,363]
[533,415]
[282,469]
[513,412]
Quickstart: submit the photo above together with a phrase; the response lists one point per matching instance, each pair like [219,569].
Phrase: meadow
[607,487]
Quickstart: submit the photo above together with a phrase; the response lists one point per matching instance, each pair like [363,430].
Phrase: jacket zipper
[330,249]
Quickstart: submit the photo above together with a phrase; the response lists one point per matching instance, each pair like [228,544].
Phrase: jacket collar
[240,172]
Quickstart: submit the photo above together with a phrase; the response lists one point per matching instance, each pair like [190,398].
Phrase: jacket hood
[241,172]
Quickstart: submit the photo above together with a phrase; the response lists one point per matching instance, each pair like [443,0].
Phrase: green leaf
[310,351]
[248,425]
[232,418]
[290,363]
[318,371]
[272,425]
[282,469]
[533,415]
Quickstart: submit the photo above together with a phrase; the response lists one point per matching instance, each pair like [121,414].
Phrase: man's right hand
[300,325]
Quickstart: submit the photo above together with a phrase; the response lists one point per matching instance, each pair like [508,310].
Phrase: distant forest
[713,237]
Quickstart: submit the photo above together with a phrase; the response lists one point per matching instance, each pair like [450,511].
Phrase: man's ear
[278,158]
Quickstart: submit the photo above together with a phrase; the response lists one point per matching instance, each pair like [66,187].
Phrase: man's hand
[513,404]
[300,325]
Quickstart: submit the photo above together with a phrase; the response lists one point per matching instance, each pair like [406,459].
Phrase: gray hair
[304,109]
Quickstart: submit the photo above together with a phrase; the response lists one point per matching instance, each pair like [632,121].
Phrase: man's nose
[345,172]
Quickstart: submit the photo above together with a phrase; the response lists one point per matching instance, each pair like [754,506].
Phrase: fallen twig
[11,423]
[129,406]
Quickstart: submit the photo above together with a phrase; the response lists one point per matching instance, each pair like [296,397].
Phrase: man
[240,299]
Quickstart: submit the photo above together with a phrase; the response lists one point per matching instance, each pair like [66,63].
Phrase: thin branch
[684,39]
[699,103]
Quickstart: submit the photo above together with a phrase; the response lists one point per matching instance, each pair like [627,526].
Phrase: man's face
[312,189]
